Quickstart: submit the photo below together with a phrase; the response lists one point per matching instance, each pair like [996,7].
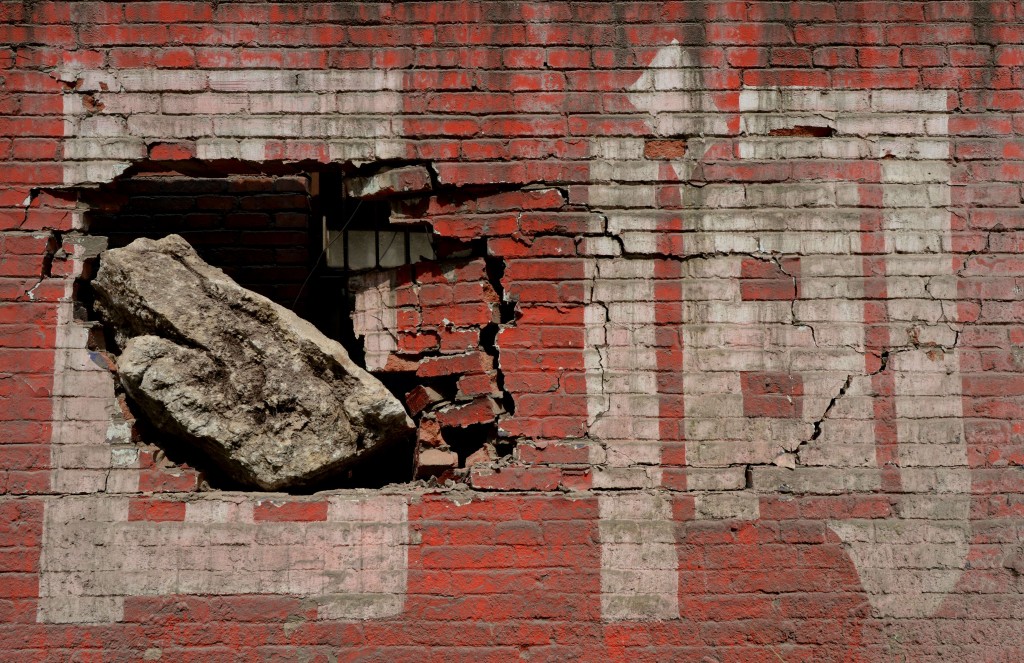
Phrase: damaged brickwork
[716,356]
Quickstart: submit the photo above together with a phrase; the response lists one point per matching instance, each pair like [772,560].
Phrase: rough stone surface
[271,399]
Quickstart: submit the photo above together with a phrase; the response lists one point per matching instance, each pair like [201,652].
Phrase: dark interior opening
[266,232]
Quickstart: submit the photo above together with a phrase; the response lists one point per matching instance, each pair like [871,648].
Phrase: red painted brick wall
[762,361]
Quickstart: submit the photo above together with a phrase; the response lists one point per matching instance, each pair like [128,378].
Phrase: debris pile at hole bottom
[259,390]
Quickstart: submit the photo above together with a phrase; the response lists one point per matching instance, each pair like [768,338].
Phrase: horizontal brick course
[752,281]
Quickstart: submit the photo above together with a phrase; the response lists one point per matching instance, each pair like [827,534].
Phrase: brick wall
[755,354]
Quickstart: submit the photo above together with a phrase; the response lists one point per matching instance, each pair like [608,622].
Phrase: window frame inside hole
[344,224]
[358,235]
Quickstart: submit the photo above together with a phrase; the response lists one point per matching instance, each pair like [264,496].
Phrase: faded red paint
[514,93]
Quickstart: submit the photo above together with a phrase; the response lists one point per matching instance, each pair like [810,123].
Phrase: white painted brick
[814,480]
[625,171]
[89,172]
[157,80]
[845,148]
[254,80]
[104,148]
[218,148]
[347,126]
[124,103]
[207,103]
[833,455]
[760,99]
[600,246]
[343,81]
[94,80]
[122,481]
[724,478]
[908,580]
[170,127]
[771,149]
[677,79]
[727,452]
[253,149]
[621,196]
[270,126]
[221,556]
[881,124]
[937,125]
[630,452]
[915,171]
[790,195]
[392,148]
[660,101]
[294,102]
[680,124]
[617,149]
[916,101]
[621,478]
[726,506]
[910,148]
[384,102]
[101,126]
[778,100]
[639,562]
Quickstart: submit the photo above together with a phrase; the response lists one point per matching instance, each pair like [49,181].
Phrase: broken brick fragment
[480,411]
[433,462]
[478,384]
[420,398]
[469,362]
[485,454]
[428,433]
[808,131]
[390,182]
[415,343]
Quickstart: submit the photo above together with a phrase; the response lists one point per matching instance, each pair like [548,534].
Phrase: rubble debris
[435,461]
[445,362]
[270,399]
[484,455]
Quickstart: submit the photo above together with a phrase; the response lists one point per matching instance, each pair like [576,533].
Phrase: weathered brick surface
[749,313]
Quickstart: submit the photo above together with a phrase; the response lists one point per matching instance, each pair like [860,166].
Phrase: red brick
[516,478]
[156,510]
[268,510]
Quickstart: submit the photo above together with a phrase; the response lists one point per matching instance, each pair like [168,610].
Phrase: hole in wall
[267,230]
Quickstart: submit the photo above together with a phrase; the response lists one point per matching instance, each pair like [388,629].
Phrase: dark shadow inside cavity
[264,231]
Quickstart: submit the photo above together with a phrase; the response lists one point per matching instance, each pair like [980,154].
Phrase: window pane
[420,247]
[392,248]
[362,249]
[335,249]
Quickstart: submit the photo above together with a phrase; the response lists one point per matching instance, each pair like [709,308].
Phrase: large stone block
[271,400]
